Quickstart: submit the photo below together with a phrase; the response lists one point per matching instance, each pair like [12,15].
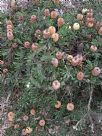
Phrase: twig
[88,113]
[90,99]
[8,98]
[91,123]
[89,109]
[76,126]
[63,95]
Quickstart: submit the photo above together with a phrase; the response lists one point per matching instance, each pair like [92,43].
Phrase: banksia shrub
[51,67]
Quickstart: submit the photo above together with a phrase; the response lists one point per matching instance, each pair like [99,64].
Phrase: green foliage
[30,73]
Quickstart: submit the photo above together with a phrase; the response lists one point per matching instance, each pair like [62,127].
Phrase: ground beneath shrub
[4,123]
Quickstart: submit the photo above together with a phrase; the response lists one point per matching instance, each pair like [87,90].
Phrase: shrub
[51,65]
